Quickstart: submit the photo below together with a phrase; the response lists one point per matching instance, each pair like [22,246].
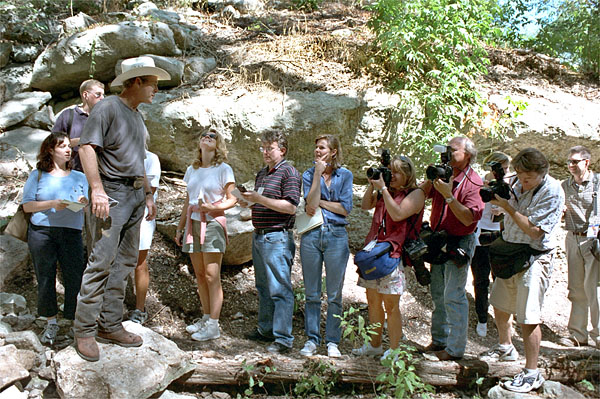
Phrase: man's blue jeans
[328,244]
[450,318]
[273,256]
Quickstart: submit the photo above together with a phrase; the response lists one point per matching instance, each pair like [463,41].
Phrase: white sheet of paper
[73,206]
[305,223]
[236,193]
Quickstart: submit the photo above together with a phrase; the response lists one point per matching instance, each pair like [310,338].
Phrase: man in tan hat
[112,154]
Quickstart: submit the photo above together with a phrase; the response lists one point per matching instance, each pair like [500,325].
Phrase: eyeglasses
[209,135]
[267,149]
[97,94]
[573,162]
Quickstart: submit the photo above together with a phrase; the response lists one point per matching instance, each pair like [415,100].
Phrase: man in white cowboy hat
[112,154]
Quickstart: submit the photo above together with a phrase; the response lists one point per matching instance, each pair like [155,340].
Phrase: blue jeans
[328,244]
[47,246]
[450,318]
[273,256]
[115,244]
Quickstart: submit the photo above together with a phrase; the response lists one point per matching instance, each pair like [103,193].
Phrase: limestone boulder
[13,392]
[11,369]
[77,22]
[149,9]
[25,340]
[65,65]
[21,148]
[122,372]
[14,258]
[12,304]
[21,106]
[16,78]
[187,36]
[5,51]
[25,52]
[43,119]
[172,65]
[196,68]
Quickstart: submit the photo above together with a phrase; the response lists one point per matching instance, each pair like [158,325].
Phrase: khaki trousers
[584,288]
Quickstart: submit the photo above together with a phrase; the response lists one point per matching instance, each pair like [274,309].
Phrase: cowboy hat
[140,66]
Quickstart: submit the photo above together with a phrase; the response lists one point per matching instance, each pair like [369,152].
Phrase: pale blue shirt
[49,187]
[339,190]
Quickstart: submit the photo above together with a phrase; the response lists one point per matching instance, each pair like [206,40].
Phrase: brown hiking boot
[87,348]
[121,337]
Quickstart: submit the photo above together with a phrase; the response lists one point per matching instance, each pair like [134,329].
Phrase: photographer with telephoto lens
[527,248]
[488,229]
[398,205]
[456,208]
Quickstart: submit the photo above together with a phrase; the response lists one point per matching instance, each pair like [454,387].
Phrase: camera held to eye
[496,186]
[383,170]
[444,170]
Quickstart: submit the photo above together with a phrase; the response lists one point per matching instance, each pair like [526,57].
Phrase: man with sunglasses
[275,197]
[72,119]
[584,291]
[112,155]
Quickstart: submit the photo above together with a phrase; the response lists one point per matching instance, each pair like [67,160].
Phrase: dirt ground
[172,303]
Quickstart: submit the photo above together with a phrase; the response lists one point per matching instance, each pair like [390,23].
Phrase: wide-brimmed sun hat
[139,66]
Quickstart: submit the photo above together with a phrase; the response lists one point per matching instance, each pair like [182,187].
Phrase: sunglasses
[209,135]
[573,162]
[97,95]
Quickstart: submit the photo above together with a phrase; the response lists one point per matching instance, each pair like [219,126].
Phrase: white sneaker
[481,329]
[310,348]
[196,326]
[524,382]
[333,350]
[367,350]
[208,332]
[497,353]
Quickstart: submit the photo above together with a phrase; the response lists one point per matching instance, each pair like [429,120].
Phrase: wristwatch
[449,199]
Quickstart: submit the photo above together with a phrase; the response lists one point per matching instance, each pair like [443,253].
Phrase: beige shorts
[523,293]
[392,284]
[214,239]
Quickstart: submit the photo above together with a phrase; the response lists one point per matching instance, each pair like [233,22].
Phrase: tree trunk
[568,365]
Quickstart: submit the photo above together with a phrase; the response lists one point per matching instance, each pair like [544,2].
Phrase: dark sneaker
[278,348]
[49,334]
[524,382]
[256,335]
[137,316]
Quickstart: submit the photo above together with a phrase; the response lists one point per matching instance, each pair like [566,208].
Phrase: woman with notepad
[51,194]
[202,228]
[327,190]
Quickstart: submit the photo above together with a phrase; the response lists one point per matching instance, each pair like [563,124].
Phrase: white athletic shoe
[333,350]
[367,350]
[481,329]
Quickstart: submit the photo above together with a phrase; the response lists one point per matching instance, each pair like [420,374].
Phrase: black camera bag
[509,258]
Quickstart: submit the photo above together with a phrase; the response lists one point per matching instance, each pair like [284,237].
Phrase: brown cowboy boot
[120,337]
[87,348]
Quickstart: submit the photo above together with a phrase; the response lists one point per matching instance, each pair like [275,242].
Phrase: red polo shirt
[466,191]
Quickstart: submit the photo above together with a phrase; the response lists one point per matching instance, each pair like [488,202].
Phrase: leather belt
[136,182]
[261,232]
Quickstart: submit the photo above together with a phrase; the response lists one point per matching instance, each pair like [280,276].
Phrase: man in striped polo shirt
[276,195]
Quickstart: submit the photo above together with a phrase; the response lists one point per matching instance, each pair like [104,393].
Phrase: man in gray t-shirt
[112,154]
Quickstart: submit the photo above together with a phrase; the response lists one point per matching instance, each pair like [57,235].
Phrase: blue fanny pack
[376,263]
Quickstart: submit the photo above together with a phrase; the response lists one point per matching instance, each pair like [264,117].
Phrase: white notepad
[304,222]
[73,206]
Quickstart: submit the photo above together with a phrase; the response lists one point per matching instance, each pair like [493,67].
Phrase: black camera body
[415,250]
[441,247]
[383,170]
[497,186]
[444,170]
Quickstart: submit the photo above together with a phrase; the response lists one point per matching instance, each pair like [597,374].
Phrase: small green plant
[477,383]
[400,379]
[356,329]
[255,378]
[586,385]
[308,5]
[320,377]
[299,296]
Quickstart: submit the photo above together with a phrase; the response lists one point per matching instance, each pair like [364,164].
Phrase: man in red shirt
[456,208]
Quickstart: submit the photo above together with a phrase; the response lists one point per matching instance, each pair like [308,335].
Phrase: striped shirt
[281,182]
[578,201]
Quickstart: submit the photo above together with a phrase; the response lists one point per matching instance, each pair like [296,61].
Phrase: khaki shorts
[214,239]
[392,284]
[523,293]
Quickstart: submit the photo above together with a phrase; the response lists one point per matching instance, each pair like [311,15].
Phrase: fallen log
[566,366]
